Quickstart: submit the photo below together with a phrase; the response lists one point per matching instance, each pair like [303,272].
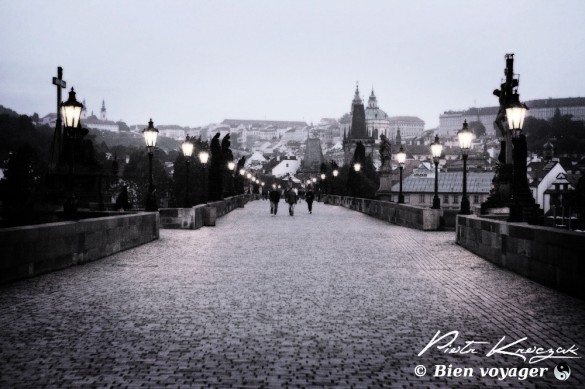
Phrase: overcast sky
[198,62]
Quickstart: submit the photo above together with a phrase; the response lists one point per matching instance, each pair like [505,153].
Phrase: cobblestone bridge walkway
[332,299]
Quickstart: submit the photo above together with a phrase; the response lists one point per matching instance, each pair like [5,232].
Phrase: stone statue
[385,149]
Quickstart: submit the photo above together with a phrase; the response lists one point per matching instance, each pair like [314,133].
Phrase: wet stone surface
[329,299]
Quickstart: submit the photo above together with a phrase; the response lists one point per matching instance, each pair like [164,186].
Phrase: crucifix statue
[57,143]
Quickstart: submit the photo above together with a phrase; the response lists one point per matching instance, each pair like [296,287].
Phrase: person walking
[291,198]
[309,197]
[274,197]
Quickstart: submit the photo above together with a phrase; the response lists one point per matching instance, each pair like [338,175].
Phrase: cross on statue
[57,139]
[60,84]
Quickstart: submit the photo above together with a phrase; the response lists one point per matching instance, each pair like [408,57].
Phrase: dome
[375,114]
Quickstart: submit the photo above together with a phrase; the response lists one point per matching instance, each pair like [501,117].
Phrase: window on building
[421,198]
[446,199]
[455,199]
[475,199]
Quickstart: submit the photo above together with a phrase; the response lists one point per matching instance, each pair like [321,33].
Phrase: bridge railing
[548,255]
[411,216]
[28,251]
[201,215]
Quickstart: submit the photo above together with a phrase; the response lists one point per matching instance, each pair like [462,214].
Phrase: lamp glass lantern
[150,134]
[203,156]
[314,179]
[187,147]
[357,166]
[71,110]
[322,176]
[231,165]
[401,157]
[335,172]
[436,149]
[249,175]
[242,172]
[515,114]
[465,136]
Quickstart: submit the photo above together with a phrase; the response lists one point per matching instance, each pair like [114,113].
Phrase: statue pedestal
[384,192]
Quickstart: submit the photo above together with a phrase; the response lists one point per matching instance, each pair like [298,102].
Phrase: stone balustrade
[36,249]
[411,216]
[550,256]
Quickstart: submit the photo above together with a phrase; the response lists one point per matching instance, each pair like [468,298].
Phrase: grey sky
[198,62]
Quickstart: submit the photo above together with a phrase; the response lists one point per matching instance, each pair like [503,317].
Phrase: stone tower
[357,130]
[103,111]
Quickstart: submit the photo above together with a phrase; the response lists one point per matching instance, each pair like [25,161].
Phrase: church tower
[84,111]
[358,131]
[372,101]
[103,111]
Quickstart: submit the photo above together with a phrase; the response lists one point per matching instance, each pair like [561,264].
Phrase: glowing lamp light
[203,156]
[187,147]
[436,149]
[465,136]
[150,134]
[401,157]
[71,110]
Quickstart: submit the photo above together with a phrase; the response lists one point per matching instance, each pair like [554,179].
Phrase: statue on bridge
[384,191]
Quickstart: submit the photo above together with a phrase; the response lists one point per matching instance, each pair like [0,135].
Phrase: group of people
[291,197]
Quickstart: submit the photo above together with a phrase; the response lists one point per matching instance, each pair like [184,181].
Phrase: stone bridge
[330,299]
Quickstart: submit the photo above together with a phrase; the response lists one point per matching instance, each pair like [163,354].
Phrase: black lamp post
[203,158]
[401,159]
[357,167]
[71,111]
[150,134]
[231,166]
[436,150]
[465,136]
[324,187]
[187,148]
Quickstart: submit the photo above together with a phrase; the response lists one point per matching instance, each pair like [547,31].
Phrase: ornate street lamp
[401,159]
[187,148]
[150,134]
[521,195]
[203,158]
[71,112]
[515,113]
[436,151]
[465,136]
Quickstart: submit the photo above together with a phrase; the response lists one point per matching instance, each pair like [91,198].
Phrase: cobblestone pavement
[332,299]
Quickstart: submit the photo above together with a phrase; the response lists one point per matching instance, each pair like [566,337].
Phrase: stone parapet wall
[32,250]
[550,256]
[201,215]
[411,216]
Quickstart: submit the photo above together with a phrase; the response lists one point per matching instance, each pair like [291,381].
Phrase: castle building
[101,123]
[451,121]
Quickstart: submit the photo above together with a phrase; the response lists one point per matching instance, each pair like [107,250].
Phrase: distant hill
[8,111]
[132,139]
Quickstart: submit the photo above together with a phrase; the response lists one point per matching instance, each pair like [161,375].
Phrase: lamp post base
[436,202]
[465,207]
